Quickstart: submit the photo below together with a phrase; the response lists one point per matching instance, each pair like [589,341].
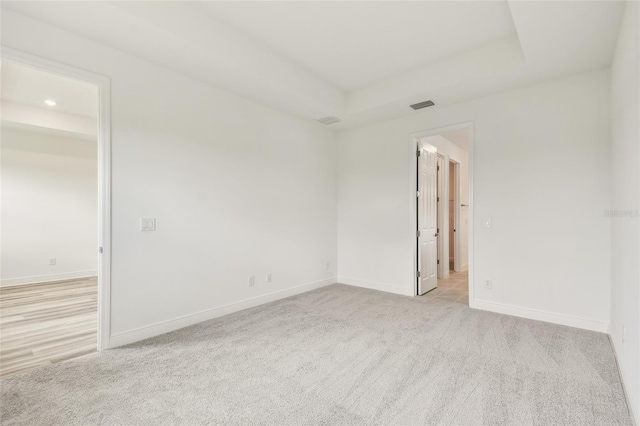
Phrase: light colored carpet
[336,356]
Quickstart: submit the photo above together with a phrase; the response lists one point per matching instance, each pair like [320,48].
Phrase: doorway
[451,148]
[55,278]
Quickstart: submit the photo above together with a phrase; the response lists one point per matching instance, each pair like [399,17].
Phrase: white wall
[541,171]
[237,189]
[49,207]
[47,118]
[625,230]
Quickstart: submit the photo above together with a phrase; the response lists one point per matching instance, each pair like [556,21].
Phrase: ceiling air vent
[421,105]
[328,120]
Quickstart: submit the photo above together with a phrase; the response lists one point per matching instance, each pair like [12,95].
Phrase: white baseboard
[47,278]
[534,314]
[389,288]
[132,336]
[625,387]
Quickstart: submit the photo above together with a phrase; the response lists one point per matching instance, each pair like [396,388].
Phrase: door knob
[436,234]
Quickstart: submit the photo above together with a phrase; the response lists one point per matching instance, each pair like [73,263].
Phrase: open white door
[427,217]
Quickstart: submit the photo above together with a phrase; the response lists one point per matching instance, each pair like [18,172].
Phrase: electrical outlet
[269,277]
[252,280]
[327,266]
[52,261]
[488,283]
[148,224]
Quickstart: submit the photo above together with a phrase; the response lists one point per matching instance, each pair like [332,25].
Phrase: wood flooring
[454,289]
[45,323]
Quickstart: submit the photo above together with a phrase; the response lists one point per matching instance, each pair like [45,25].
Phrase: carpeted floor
[336,356]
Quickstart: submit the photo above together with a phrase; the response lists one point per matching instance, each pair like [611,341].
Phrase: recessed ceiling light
[50,102]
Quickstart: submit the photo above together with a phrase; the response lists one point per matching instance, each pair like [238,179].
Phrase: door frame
[456,214]
[414,138]
[443,216]
[103,250]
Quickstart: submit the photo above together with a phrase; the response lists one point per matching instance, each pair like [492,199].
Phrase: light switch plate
[148,224]
[487,222]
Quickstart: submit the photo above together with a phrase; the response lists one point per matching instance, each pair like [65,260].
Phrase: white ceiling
[360,43]
[24,90]
[359,61]
[28,86]
[460,138]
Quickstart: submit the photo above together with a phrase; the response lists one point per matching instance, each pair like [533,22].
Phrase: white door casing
[427,217]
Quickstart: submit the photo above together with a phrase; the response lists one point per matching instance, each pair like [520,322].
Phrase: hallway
[454,289]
